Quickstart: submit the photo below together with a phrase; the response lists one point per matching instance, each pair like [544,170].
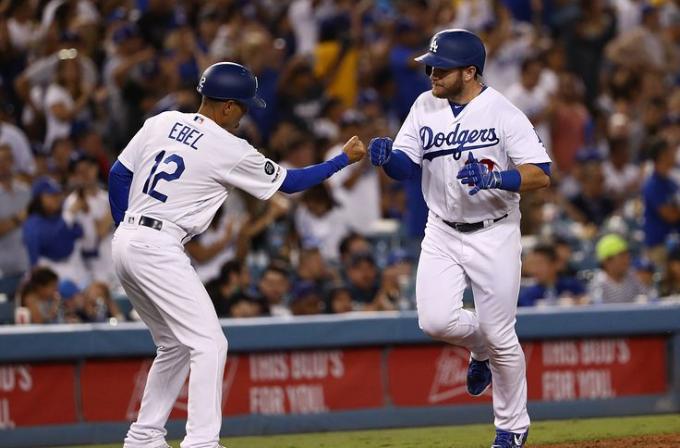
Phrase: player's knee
[500,341]
[442,326]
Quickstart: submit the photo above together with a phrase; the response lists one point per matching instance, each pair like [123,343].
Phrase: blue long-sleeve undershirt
[400,166]
[302,178]
[120,179]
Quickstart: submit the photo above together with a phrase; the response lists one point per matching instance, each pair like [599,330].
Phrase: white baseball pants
[490,260]
[169,297]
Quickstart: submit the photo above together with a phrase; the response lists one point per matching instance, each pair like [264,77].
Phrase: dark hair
[547,250]
[230,267]
[38,278]
[347,240]
[656,148]
[277,266]
[526,63]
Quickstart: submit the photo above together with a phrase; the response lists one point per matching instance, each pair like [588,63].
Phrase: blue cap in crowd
[45,185]
[68,289]
[124,33]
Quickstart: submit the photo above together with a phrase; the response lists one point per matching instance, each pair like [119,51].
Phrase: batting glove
[478,176]
[380,150]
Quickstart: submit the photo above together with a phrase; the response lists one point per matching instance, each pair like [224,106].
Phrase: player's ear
[469,73]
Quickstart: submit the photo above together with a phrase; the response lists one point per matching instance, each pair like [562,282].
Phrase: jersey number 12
[154,177]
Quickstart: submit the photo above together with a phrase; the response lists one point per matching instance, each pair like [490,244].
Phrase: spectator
[591,206]
[99,306]
[67,99]
[40,296]
[242,304]
[409,78]
[550,288]
[353,243]
[225,286]
[274,287]
[50,239]
[14,199]
[568,123]
[339,300]
[16,140]
[72,301]
[357,189]
[615,282]
[312,268]
[367,291]
[670,282]
[319,222]
[306,299]
[662,210]
[645,271]
[94,217]
[214,247]
[532,98]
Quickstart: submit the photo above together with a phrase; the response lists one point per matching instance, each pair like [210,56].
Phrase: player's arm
[120,179]
[533,176]
[395,163]
[304,178]
[526,177]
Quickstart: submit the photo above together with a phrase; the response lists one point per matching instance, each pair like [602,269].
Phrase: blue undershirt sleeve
[304,178]
[400,166]
[545,166]
[120,179]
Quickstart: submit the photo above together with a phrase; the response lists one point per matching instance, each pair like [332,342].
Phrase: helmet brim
[255,103]
[436,61]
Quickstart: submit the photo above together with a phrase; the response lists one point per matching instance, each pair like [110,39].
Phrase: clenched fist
[355,149]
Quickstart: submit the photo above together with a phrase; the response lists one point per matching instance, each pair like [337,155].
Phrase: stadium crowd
[599,79]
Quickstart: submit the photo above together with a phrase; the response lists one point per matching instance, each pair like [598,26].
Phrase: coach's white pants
[490,259]
[169,297]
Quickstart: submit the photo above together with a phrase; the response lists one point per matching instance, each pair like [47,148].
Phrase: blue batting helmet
[229,81]
[455,48]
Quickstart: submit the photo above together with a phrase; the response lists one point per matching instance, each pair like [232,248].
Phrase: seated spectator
[339,300]
[14,198]
[274,287]
[99,306]
[40,295]
[670,282]
[615,282]
[306,299]
[662,210]
[72,301]
[313,268]
[591,205]
[368,292]
[351,245]
[242,304]
[226,285]
[645,271]
[320,223]
[50,238]
[551,288]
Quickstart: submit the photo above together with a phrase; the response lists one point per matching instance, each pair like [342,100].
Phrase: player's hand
[380,150]
[478,176]
[355,149]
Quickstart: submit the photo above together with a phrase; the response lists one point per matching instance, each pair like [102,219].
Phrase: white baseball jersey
[497,133]
[184,166]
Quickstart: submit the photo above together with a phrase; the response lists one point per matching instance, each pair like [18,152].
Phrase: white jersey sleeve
[130,157]
[407,140]
[522,143]
[255,174]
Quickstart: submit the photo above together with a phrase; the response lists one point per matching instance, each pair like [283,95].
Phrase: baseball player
[165,188]
[477,152]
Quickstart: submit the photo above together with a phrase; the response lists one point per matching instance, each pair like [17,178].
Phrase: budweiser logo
[450,375]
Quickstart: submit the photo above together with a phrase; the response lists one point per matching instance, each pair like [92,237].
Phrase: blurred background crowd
[599,79]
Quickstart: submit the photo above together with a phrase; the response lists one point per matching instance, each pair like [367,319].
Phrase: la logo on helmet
[433,45]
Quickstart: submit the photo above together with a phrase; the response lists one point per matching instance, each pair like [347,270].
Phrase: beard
[451,91]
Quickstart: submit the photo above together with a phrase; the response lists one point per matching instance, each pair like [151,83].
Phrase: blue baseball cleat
[505,439]
[478,377]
